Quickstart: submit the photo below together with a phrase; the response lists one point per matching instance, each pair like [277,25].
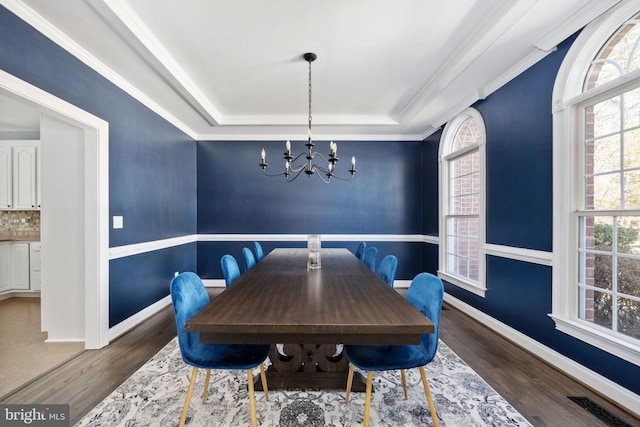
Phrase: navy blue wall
[151,163]
[385,197]
[144,278]
[519,157]
[235,197]
[518,122]
[431,194]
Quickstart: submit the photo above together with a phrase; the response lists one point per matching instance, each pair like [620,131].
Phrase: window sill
[464,284]
[600,338]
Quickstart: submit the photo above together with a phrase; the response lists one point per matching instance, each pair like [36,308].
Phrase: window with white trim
[596,277]
[462,202]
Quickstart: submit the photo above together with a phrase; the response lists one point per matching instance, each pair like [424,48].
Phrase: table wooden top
[280,301]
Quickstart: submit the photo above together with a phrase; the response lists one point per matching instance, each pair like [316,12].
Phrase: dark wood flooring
[538,391]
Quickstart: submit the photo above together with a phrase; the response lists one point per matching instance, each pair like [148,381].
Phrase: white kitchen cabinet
[14,266]
[5,267]
[20,175]
[6,177]
[20,265]
[24,177]
[35,263]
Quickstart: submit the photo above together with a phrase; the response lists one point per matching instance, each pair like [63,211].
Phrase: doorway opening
[90,224]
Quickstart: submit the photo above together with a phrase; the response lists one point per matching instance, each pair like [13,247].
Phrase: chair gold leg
[185,408]
[206,386]
[432,406]
[404,384]
[349,382]
[252,398]
[263,378]
[367,402]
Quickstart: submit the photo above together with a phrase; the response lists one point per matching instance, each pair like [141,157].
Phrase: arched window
[462,222]
[597,187]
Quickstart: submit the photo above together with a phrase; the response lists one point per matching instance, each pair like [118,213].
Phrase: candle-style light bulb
[288,145]
[263,155]
[353,162]
[286,165]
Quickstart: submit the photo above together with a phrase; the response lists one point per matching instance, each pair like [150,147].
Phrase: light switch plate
[118,221]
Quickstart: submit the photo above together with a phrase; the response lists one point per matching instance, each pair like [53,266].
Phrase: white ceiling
[221,69]
[17,116]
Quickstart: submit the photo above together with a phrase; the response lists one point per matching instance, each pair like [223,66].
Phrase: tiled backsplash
[19,221]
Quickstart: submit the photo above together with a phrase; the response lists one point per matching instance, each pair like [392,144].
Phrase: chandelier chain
[309,100]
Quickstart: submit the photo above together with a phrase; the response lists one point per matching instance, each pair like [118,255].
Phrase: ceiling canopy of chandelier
[291,170]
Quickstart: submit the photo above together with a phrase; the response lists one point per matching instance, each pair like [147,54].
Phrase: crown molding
[494,22]
[122,19]
[51,32]
[579,19]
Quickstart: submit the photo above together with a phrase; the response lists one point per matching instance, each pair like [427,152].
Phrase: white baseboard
[401,284]
[214,283]
[65,340]
[597,382]
[138,318]
[19,294]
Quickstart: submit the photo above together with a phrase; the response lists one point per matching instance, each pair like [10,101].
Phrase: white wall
[62,230]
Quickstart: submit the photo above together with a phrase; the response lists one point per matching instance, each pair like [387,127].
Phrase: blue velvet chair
[370,258]
[360,250]
[387,269]
[230,269]
[257,248]
[189,296]
[249,259]
[425,294]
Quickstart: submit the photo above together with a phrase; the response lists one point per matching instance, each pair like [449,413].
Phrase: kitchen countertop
[18,236]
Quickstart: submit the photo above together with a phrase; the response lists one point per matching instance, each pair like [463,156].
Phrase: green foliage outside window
[628,279]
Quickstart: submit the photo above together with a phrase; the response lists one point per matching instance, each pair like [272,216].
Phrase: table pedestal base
[309,366]
[311,381]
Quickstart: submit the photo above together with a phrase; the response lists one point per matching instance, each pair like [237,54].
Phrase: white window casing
[569,102]
[448,154]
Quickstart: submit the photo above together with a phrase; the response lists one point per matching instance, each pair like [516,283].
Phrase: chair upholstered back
[249,259]
[370,258]
[425,294]
[230,269]
[257,248]
[387,269]
[360,250]
[189,296]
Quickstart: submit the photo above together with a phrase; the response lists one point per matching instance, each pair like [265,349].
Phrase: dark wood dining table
[307,314]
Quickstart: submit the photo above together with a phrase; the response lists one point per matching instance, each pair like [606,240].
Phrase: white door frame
[96,201]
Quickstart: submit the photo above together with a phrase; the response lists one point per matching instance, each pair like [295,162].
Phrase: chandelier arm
[295,159]
[298,172]
[272,174]
[342,179]
[318,167]
[326,180]
[297,168]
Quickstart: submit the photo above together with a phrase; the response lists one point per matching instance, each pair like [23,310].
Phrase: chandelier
[292,171]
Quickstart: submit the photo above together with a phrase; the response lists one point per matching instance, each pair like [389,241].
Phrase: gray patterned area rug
[154,396]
